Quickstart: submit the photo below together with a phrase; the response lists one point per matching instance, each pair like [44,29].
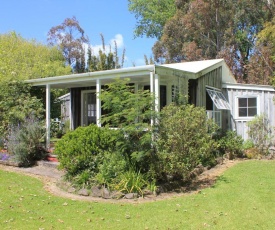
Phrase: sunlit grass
[243,198]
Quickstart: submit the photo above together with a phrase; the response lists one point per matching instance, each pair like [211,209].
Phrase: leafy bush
[84,149]
[184,140]
[248,144]
[260,132]
[232,144]
[112,167]
[24,142]
[16,103]
[56,128]
[132,182]
[131,113]
[252,153]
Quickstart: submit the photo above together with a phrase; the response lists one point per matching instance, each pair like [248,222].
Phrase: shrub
[252,153]
[24,142]
[184,140]
[131,113]
[16,103]
[84,149]
[232,144]
[132,182]
[260,133]
[56,128]
[112,167]
[248,144]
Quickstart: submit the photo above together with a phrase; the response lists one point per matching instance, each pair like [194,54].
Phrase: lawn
[242,198]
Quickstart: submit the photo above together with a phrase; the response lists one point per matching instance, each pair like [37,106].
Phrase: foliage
[248,144]
[184,140]
[132,182]
[131,113]
[56,128]
[70,38]
[104,60]
[24,141]
[17,104]
[253,153]
[66,127]
[231,143]
[265,43]
[151,15]
[259,132]
[206,29]
[22,59]
[84,149]
[112,167]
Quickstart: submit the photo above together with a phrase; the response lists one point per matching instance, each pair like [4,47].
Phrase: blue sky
[32,19]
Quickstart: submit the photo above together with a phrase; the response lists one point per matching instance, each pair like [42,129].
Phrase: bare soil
[51,176]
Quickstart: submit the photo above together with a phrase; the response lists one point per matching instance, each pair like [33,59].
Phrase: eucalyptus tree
[151,16]
[207,29]
[71,39]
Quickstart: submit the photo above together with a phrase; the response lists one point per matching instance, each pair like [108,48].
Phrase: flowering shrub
[24,142]
[4,156]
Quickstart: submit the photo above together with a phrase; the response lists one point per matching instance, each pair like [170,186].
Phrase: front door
[88,108]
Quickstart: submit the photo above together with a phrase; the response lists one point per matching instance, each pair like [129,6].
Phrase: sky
[33,19]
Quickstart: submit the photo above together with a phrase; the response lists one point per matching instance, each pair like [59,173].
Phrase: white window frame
[82,103]
[237,107]
[218,99]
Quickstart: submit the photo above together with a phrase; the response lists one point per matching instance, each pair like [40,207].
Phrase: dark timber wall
[76,105]
[214,79]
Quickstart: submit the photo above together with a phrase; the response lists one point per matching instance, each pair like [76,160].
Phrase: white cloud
[119,41]
[118,38]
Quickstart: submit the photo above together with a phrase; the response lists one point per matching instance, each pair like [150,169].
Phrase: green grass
[243,198]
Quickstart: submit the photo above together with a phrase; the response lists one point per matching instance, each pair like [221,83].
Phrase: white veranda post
[48,115]
[152,92]
[156,93]
[98,103]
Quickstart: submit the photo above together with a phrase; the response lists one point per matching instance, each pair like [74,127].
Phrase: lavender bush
[24,142]
[4,156]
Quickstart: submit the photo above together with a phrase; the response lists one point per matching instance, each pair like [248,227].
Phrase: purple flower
[4,156]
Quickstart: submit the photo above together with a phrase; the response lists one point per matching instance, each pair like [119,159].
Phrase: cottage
[207,83]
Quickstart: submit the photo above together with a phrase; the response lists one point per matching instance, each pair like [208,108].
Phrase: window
[247,106]
[218,99]
[88,107]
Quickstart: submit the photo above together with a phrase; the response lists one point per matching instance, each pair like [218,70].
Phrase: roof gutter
[83,76]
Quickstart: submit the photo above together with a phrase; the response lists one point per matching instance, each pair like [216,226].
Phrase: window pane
[242,112]
[242,102]
[218,99]
[252,102]
[252,112]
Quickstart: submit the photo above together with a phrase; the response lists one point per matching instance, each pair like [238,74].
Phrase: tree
[71,39]
[22,59]
[262,64]
[208,29]
[131,112]
[151,16]
[104,60]
[16,105]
